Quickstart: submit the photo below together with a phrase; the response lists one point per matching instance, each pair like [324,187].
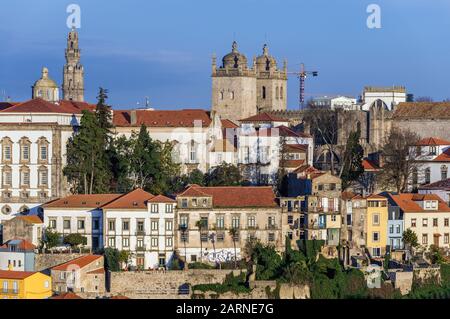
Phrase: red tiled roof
[39,105]
[228,124]
[32,219]
[421,110]
[443,184]
[306,169]
[96,271]
[368,165]
[24,244]
[153,118]
[8,274]
[161,199]
[237,196]
[264,117]
[432,141]
[444,157]
[293,163]
[82,201]
[136,199]
[80,262]
[376,196]
[66,295]
[407,202]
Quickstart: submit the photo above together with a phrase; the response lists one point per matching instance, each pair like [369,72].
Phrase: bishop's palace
[247,97]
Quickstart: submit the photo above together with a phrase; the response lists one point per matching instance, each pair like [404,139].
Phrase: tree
[436,255]
[399,159]
[88,168]
[124,257]
[324,126]
[351,168]
[224,175]
[410,239]
[234,232]
[195,177]
[112,258]
[75,240]
[50,239]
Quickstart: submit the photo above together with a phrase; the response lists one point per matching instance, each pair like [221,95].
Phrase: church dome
[45,81]
[234,59]
[265,62]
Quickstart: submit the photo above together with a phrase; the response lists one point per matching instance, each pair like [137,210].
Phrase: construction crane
[302,75]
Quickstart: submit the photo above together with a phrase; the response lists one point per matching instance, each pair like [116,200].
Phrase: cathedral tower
[73,79]
[271,83]
[233,87]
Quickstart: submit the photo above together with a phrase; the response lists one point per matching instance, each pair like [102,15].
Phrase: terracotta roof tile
[444,157]
[136,199]
[376,196]
[161,199]
[421,110]
[160,118]
[97,271]
[432,141]
[408,202]
[39,105]
[8,274]
[66,295]
[22,244]
[82,201]
[80,262]
[444,184]
[264,117]
[228,124]
[237,196]
[32,219]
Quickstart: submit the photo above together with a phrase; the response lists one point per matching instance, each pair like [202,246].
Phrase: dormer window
[432,150]
[184,203]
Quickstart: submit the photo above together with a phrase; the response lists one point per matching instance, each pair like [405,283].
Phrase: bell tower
[73,79]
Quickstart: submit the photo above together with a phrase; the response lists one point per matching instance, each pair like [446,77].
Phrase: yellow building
[24,285]
[376,225]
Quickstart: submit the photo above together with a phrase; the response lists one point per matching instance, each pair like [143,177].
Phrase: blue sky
[162,48]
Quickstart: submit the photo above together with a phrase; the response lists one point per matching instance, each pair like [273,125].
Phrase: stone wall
[45,261]
[161,285]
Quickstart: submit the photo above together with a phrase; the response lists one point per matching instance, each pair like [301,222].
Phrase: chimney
[133,118]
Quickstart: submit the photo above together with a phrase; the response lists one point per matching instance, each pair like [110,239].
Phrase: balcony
[140,248]
[140,233]
[271,226]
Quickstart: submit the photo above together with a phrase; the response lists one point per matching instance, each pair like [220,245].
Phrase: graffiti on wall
[220,255]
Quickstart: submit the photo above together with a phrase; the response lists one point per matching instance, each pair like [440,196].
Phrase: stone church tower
[271,83]
[234,93]
[73,79]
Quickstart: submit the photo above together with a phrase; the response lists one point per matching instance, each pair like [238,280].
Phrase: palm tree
[233,232]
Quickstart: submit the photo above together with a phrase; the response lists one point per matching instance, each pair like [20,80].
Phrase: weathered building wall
[45,261]
[426,128]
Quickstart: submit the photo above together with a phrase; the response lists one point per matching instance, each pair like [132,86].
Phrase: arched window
[264,92]
[6,150]
[444,172]
[24,176]
[43,176]
[43,150]
[6,176]
[25,146]
[427,175]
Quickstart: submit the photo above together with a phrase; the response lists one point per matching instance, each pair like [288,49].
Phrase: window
[154,208]
[154,225]
[154,241]
[25,177]
[7,153]
[112,225]
[169,242]
[140,243]
[263,93]
[193,152]
[140,226]
[235,222]
[169,208]
[281,92]
[126,225]
[251,221]
[43,176]
[52,223]
[424,239]
[446,222]
[5,286]
[435,222]
[427,175]
[220,221]
[271,222]
[277,94]
[220,237]
[446,238]
[25,152]
[391,229]
[43,152]
[204,237]
[375,236]
[95,224]
[7,176]
[66,224]
[125,242]
[290,219]
[413,222]
[432,150]
[184,236]
[271,237]
[333,218]
[194,202]
[398,229]
[169,225]
[424,222]
[81,224]
[112,242]
[376,252]
[184,203]
[46,284]
[444,172]
[184,221]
